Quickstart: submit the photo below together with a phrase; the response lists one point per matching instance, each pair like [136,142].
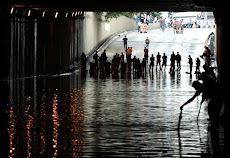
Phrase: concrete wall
[154,25]
[97,29]
[40,46]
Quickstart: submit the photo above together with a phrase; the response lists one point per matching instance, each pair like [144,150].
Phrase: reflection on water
[29,125]
[56,124]
[11,131]
[70,116]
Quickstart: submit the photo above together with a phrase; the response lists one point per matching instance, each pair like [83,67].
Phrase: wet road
[74,116]
[189,43]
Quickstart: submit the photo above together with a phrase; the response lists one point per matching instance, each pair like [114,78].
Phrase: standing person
[102,60]
[178,61]
[172,65]
[118,60]
[190,62]
[139,26]
[147,41]
[146,51]
[123,65]
[152,59]
[138,20]
[83,62]
[144,65]
[164,57]
[163,24]
[142,28]
[207,56]
[122,57]
[197,66]
[114,64]
[125,39]
[129,54]
[129,57]
[104,56]
[95,57]
[145,28]
[159,60]
[135,64]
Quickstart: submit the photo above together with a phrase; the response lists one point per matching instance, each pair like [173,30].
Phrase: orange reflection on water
[77,117]
[55,118]
[29,125]
[43,125]
[11,131]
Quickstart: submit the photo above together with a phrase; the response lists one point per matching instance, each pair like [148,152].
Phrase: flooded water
[74,116]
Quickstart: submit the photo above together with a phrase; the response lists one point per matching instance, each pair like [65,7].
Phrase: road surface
[74,116]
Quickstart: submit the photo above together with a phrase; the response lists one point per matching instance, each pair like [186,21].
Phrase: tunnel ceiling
[118,5]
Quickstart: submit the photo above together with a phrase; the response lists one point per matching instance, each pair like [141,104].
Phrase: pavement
[189,43]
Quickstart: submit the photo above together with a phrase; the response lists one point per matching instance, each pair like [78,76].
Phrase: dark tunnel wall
[35,45]
[22,40]
[5,47]
[41,46]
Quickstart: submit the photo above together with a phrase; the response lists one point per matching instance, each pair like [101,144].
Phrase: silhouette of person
[125,39]
[159,59]
[83,62]
[122,57]
[129,56]
[209,89]
[172,65]
[209,71]
[102,61]
[164,57]
[144,65]
[114,64]
[146,51]
[135,64]
[197,66]
[198,87]
[152,59]
[147,43]
[118,60]
[190,62]
[138,66]
[207,54]
[95,57]
[178,60]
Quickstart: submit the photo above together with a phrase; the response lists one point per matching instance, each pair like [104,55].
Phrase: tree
[158,15]
[110,15]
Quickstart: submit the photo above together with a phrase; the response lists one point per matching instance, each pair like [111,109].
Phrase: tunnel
[42,91]
[70,18]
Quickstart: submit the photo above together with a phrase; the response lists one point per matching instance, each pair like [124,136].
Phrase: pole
[199,112]
[180,117]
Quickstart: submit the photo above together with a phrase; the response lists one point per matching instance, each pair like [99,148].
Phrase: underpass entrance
[75,114]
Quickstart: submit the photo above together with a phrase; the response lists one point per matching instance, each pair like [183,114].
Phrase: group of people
[209,88]
[138,66]
[135,65]
[142,27]
[104,66]
[174,59]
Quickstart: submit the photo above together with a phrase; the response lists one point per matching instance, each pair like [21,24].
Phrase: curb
[105,44]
